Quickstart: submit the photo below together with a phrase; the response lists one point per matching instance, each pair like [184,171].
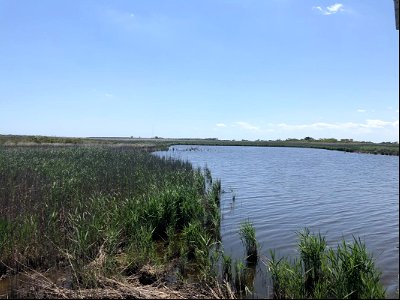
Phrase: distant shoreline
[154,144]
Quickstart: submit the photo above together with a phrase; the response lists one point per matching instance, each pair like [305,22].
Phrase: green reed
[68,205]
[347,272]
[312,249]
[247,234]
[227,267]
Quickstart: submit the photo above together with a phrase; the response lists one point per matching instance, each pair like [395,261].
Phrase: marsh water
[282,190]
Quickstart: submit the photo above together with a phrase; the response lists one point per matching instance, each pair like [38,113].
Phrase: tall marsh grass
[247,234]
[347,272]
[64,206]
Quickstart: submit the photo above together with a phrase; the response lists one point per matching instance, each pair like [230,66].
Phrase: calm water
[282,190]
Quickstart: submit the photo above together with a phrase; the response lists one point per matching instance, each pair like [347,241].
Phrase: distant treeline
[158,143]
[38,139]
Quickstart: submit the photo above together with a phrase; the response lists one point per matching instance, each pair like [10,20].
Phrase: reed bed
[347,272]
[101,211]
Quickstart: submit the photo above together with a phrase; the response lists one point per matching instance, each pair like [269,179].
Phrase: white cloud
[318,126]
[361,110]
[319,8]
[108,95]
[369,124]
[379,124]
[370,129]
[335,8]
[247,126]
[330,10]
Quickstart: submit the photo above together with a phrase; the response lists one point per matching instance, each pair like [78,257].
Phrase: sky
[227,69]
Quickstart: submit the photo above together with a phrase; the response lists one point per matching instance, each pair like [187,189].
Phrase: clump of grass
[352,271]
[227,268]
[342,273]
[247,234]
[286,278]
[240,277]
[207,175]
[312,250]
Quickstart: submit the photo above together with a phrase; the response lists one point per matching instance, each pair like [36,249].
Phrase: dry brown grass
[38,285]
[56,284]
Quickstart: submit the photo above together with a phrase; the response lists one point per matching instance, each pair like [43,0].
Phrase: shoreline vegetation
[158,143]
[107,219]
[111,219]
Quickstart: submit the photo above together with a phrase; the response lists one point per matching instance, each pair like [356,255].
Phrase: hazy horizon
[326,139]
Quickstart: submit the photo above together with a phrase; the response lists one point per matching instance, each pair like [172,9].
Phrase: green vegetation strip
[152,144]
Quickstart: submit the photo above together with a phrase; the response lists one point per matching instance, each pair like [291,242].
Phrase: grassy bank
[100,212]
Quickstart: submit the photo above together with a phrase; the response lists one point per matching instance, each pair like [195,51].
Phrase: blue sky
[230,69]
